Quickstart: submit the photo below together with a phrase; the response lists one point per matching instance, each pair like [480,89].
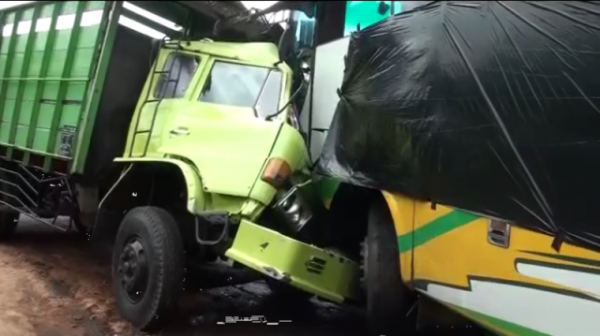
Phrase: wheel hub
[133,269]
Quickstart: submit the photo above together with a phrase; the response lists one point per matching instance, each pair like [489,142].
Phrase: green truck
[179,151]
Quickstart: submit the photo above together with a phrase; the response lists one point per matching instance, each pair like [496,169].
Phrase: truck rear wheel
[8,224]
[388,300]
[148,267]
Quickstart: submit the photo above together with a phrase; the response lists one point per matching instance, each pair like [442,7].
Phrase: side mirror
[383,8]
[286,44]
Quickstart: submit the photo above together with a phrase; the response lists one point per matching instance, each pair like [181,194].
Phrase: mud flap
[104,233]
[106,226]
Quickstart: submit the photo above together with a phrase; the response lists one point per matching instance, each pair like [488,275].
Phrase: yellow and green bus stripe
[435,228]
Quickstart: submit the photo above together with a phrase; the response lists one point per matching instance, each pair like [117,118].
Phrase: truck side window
[243,85]
[181,69]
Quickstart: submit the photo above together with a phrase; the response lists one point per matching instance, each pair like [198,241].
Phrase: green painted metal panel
[49,53]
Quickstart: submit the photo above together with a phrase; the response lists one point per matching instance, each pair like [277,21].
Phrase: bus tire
[8,224]
[388,300]
[148,268]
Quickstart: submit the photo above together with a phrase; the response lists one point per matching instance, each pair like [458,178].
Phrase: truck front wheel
[8,224]
[147,267]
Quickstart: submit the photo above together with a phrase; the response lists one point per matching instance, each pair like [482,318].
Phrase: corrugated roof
[229,9]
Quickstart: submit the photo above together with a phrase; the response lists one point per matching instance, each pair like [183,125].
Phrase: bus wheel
[388,300]
[8,224]
[147,267]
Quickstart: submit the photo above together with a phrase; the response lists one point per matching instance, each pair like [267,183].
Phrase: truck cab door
[170,85]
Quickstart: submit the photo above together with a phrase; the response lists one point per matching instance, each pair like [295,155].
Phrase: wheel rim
[133,269]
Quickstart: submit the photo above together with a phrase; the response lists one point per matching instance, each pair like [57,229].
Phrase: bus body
[506,278]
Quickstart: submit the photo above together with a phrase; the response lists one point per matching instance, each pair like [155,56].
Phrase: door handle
[180,131]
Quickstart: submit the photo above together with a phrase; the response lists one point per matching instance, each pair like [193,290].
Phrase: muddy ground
[56,284]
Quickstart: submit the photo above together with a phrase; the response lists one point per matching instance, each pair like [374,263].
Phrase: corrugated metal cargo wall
[48,54]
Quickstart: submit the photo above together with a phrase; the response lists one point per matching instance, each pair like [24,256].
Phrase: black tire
[163,256]
[8,224]
[288,292]
[388,300]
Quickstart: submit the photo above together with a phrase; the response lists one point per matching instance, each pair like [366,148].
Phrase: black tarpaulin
[490,107]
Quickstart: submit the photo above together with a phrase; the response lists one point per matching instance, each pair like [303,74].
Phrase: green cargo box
[69,84]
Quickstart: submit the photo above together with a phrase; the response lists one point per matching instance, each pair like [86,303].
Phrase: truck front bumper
[312,269]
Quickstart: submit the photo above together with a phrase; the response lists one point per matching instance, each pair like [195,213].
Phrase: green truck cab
[178,152]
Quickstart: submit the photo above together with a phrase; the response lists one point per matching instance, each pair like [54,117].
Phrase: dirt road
[54,284]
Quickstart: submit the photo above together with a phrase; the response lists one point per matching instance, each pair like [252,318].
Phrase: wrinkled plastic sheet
[489,107]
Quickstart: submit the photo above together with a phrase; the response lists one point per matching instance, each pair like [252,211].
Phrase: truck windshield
[243,86]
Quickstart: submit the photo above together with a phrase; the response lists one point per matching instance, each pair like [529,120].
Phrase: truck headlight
[294,209]
[276,172]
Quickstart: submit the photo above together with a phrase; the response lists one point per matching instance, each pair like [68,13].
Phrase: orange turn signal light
[276,172]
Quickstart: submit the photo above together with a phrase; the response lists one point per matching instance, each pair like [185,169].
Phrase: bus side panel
[48,54]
